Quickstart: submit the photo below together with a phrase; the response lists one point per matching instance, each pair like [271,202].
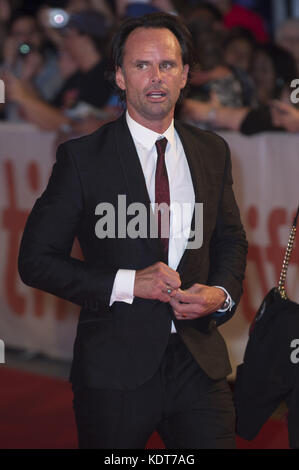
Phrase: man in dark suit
[147,353]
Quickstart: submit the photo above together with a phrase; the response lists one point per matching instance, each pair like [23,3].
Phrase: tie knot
[161,145]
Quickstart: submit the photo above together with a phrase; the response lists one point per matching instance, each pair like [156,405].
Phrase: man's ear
[185,75]
[120,79]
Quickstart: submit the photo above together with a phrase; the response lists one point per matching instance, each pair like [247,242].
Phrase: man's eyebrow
[163,61]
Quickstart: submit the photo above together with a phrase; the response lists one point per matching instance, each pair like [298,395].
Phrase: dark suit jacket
[121,346]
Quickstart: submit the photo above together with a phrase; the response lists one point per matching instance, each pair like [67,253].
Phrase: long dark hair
[284,66]
[152,20]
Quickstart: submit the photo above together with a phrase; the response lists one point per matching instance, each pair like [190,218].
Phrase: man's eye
[141,66]
[166,65]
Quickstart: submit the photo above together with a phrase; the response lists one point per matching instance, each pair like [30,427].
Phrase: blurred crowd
[53,61]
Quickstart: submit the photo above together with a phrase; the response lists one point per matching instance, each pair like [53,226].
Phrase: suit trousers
[187,408]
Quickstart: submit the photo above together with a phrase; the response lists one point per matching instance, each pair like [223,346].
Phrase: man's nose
[156,74]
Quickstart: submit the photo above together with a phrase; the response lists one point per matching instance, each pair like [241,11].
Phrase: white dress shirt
[181,192]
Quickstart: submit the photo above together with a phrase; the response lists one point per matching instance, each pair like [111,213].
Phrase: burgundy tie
[162,194]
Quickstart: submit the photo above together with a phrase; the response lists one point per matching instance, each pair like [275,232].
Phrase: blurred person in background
[206,14]
[46,22]
[85,39]
[79,107]
[213,81]
[273,70]
[7,9]
[287,36]
[237,15]
[46,13]
[239,47]
[213,75]
[28,59]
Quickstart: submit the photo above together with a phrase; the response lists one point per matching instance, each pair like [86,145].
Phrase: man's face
[239,53]
[24,29]
[152,74]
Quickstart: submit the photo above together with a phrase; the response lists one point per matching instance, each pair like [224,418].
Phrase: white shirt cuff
[123,286]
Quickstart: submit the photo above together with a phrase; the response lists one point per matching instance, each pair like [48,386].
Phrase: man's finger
[172,280]
[187,297]
[165,298]
[168,275]
[185,308]
[180,316]
[185,316]
[173,293]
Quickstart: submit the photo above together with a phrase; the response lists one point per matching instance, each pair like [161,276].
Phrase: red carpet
[36,413]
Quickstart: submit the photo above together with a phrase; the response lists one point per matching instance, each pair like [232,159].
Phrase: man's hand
[201,110]
[154,282]
[285,115]
[32,64]
[197,111]
[16,89]
[197,301]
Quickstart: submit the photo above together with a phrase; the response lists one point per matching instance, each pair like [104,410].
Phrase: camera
[58,18]
[24,49]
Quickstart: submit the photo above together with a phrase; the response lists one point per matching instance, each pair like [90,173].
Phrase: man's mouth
[156,94]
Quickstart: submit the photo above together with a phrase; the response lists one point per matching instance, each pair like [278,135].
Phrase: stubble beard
[155,111]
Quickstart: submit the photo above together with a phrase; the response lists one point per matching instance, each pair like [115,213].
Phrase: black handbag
[269,373]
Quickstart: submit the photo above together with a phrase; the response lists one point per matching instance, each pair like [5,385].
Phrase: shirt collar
[146,137]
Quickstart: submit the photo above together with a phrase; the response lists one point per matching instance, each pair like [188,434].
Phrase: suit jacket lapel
[132,170]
